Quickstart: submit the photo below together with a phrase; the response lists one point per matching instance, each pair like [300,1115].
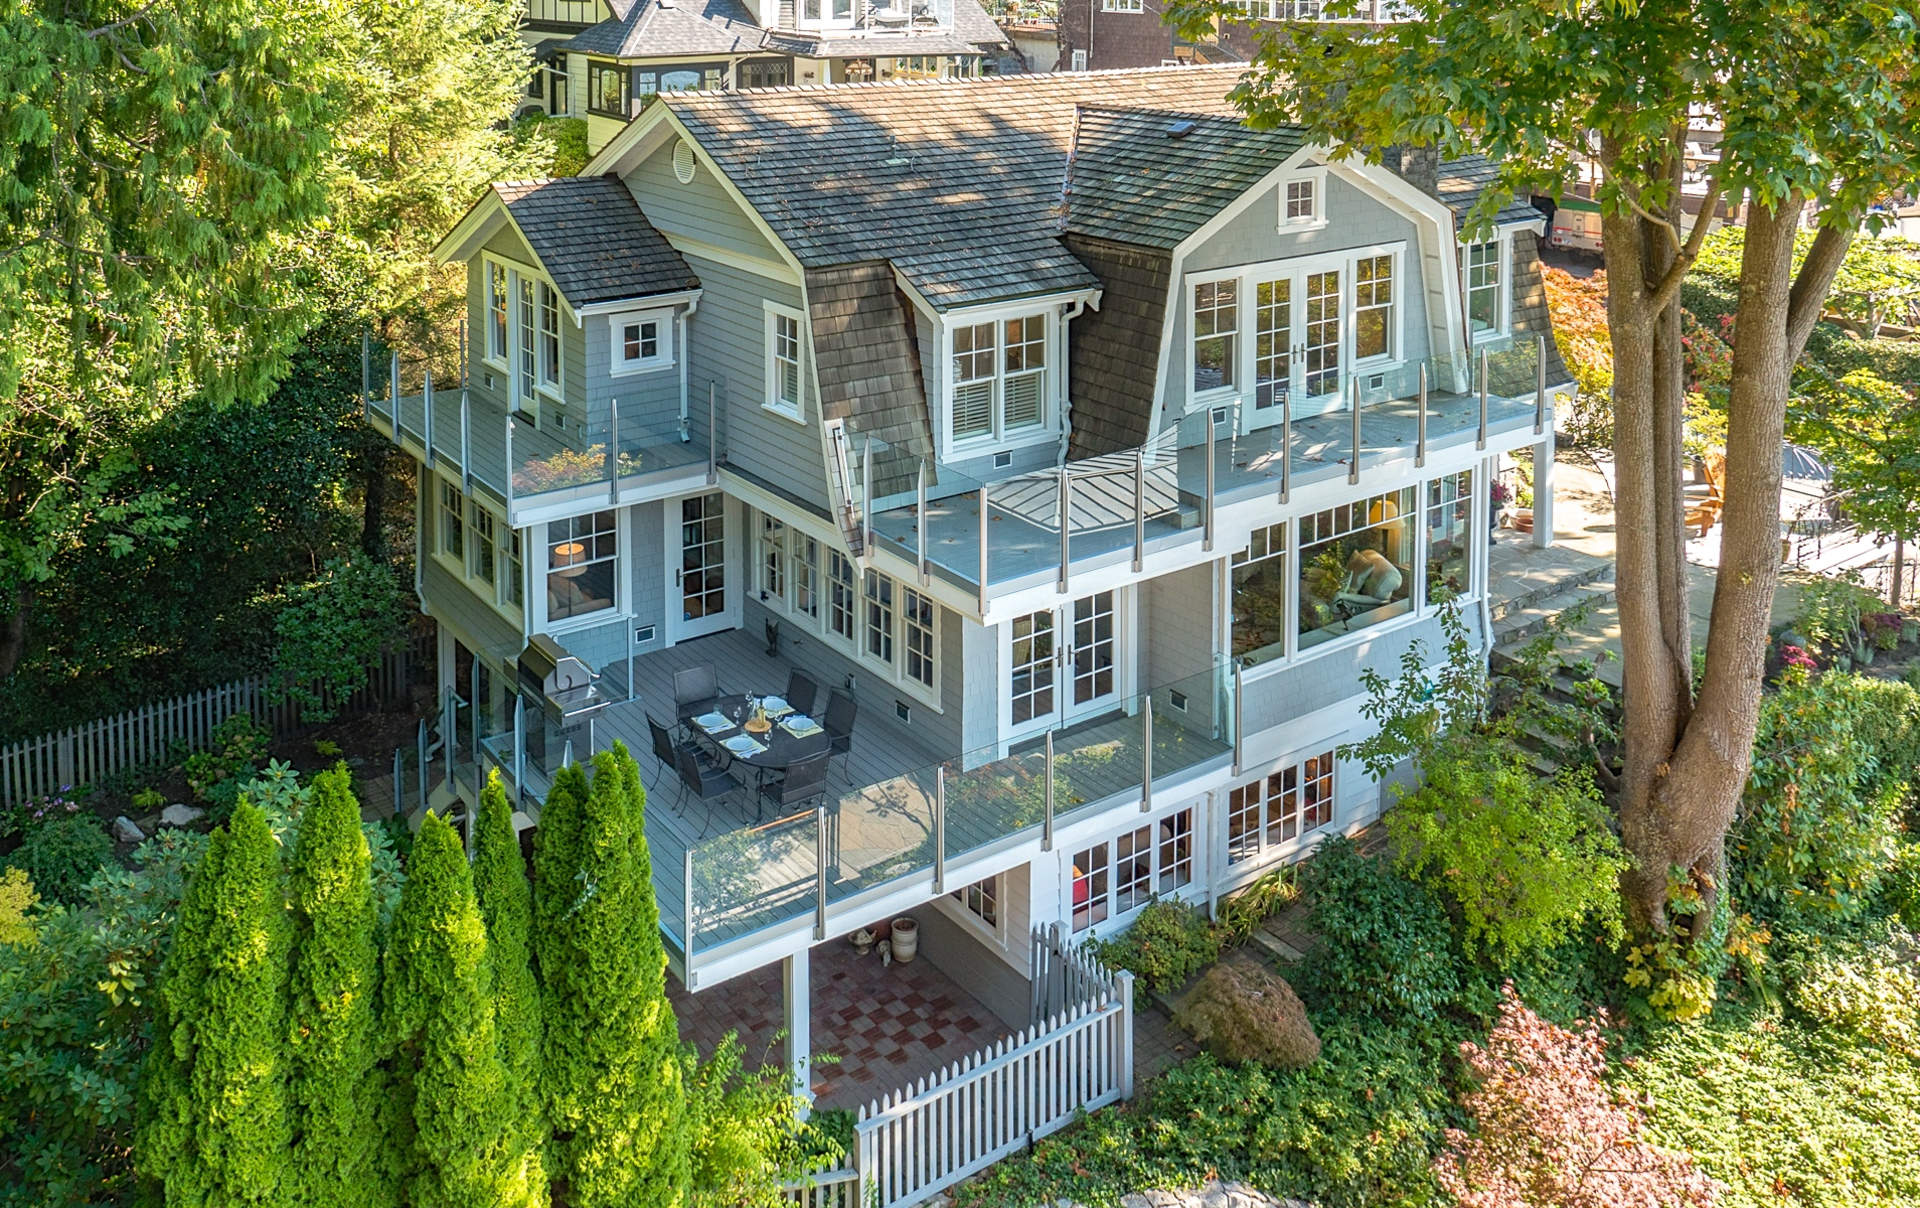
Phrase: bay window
[1449,536]
[1354,566]
[999,385]
[582,552]
[1268,815]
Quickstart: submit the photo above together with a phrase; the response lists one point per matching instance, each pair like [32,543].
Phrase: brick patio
[888,1025]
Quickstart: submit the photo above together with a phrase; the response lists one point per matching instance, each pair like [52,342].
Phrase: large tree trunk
[13,632]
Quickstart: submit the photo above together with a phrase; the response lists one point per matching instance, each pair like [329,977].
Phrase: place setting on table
[761,731]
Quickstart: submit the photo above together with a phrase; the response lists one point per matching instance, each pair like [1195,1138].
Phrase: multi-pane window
[1272,342]
[999,377]
[1480,264]
[1322,349]
[1449,535]
[783,361]
[879,592]
[581,554]
[1354,569]
[549,367]
[916,625]
[1301,205]
[452,526]
[1373,307]
[526,343]
[480,523]
[806,575]
[1092,879]
[982,900]
[607,89]
[1122,6]
[1267,815]
[1260,597]
[515,592]
[1176,851]
[642,340]
[1216,330]
[496,311]
[773,558]
[1132,869]
[840,595]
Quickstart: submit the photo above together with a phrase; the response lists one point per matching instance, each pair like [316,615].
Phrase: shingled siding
[728,350]
[1291,692]
[1177,619]
[649,402]
[1113,352]
[1529,318]
[869,372]
[1141,39]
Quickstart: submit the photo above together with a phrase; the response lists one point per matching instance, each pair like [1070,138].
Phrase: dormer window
[998,389]
[606,89]
[642,341]
[1303,201]
[1480,267]
[816,14]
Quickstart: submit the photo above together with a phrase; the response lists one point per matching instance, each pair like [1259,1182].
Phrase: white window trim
[456,565]
[1503,305]
[1077,61]
[1127,645]
[894,674]
[1234,872]
[1249,276]
[797,413]
[957,908]
[617,364]
[622,602]
[487,354]
[1047,431]
[1123,6]
[515,271]
[1118,920]
[557,389]
[1295,226]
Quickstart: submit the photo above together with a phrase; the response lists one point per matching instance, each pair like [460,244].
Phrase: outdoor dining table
[779,749]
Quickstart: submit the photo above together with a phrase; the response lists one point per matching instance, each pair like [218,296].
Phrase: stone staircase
[1536,599]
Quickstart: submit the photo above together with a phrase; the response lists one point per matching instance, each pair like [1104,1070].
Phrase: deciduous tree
[1816,99]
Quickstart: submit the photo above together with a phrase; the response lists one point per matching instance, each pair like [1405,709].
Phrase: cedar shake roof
[1152,177]
[1463,180]
[592,239]
[690,27]
[956,182]
[868,366]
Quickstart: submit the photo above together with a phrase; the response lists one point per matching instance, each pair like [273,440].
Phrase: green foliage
[330,631]
[1784,1114]
[1386,950]
[1860,988]
[75,1022]
[564,137]
[233,753]
[1167,943]
[63,855]
[149,800]
[506,903]
[1832,763]
[743,1139]
[1874,268]
[1355,1128]
[336,1090]
[611,1047]
[464,1147]
[218,1131]
[17,900]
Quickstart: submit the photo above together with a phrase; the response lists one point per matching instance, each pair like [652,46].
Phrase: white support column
[1543,491]
[796,982]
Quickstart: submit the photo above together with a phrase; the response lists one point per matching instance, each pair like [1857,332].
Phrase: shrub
[234,752]
[61,856]
[506,903]
[1386,951]
[1242,1011]
[23,817]
[17,900]
[744,1139]
[1862,989]
[329,631]
[149,800]
[1167,944]
[1549,1130]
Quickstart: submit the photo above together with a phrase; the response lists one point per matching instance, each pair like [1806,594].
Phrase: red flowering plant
[1549,1130]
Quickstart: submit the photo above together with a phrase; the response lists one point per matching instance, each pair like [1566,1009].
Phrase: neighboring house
[1036,40]
[1053,418]
[605,60]
[1097,35]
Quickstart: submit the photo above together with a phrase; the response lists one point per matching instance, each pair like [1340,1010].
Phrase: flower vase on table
[757,722]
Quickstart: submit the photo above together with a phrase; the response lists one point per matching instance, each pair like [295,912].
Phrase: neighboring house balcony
[617,455]
[741,881]
[560,16]
[992,538]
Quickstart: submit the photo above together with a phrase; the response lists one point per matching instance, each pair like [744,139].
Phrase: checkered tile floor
[887,1025]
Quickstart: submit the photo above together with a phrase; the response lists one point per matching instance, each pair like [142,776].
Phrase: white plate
[800,726]
[713,723]
[742,745]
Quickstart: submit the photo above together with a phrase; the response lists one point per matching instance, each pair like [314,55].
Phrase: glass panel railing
[880,833]
[749,880]
[1192,721]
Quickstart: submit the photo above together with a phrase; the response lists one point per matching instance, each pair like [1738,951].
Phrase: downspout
[680,322]
[1090,10]
[1069,313]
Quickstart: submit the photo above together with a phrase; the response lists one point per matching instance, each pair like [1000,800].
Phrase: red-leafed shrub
[1550,1133]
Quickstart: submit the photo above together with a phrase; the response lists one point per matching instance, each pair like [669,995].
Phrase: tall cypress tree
[218,1132]
[612,1063]
[506,904]
[440,1003]
[337,1087]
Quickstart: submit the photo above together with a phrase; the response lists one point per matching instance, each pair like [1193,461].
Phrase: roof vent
[894,158]
[683,163]
[1179,129]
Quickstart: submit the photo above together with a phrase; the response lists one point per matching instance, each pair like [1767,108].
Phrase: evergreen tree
[611,1048]
[217,1129]
[337,1086]
[440,1004]
[506,904]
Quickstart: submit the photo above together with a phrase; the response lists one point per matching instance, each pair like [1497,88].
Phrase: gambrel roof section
[592,239]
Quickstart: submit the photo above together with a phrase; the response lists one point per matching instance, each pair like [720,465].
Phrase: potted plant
[906,938]
[1498,496]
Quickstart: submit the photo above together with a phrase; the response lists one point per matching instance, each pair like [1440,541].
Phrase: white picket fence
[145,736]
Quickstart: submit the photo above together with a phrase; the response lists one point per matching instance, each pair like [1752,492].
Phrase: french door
[1063,664]
[701,535]
[1296,345]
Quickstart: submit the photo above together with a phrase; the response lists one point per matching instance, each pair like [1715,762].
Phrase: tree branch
[1808,297]
[1669,286]
[124,22]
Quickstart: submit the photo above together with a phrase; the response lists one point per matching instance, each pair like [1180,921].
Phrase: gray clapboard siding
[1288,693]
[478,625]
[701,209]
[649,402]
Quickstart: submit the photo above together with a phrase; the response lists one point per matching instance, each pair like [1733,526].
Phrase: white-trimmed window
[1303,201]
[1132,869]
[1077,61]
[483,548]
[880,601]
[582,554]
[548,366]
[1176,851]
[773,558]
[453,529]
[497,312]
[1122,6]
[806,576]
[1269,815]
[1260,586]
[1141,862]
[1480,268]
[642,341]
[525,342]
[1092,881]
[917,636]
[1355,566]
[1374,329]
[840,606]
[512,592]
[982,900]
[783,360]
[999,387]
[1216,335]
[1450,536]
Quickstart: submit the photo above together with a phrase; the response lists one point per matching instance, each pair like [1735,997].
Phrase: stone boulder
[125,831]
[1241,1010]
[179,814]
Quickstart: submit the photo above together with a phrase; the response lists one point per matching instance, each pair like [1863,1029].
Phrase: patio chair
[703,778]
[839,723]
[802,691]
[663,746]
[804,781]
[695,691]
